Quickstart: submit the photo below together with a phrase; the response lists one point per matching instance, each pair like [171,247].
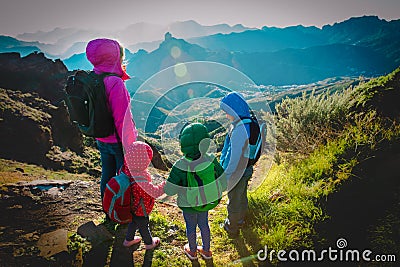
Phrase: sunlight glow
[180,70]
[176,52]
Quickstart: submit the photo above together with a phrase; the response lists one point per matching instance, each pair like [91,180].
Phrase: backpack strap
[242,121]
[143,207]
[260,139]
[259,142]
[131,183]
[102,76]
[200,183]
[191,169]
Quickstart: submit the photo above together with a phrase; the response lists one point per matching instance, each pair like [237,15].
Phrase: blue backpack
[256,141]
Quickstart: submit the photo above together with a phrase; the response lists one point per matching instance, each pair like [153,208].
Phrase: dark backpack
[204,191]
[87,103]
[256,139]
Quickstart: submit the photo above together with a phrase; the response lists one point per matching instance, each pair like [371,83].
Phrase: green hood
[194,140]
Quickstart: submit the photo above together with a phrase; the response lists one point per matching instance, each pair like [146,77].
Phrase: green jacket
[194,141]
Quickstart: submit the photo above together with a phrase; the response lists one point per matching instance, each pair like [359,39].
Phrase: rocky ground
[60,223]
[31,209]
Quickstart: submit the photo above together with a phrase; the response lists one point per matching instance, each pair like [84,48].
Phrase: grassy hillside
[346,187]
[335,175]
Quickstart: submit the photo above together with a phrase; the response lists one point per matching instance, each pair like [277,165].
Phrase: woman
[107,56]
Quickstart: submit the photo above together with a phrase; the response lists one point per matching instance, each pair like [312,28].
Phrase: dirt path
[64,212]
[31,209]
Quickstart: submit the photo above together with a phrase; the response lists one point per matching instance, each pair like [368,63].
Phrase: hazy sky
[19,16]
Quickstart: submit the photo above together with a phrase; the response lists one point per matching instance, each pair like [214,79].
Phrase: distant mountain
[303,66]
[369,31]
[366,46]
[63,43]
[76,48]
[148,46]
[50,37]
[264,40]
[281,67]
[78,61]
[287,66]
[185,30]
[10,44]
[145,64]
[190,28]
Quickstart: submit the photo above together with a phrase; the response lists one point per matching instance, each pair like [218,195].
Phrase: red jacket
[137,159]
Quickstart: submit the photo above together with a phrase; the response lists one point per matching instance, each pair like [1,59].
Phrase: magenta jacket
[104,54]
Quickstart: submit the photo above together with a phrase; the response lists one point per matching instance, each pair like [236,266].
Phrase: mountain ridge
[60,41]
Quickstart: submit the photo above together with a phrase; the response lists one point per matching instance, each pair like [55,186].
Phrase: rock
[37,183]
[54,192]
[52,243]
[157,159]
[26,133]
[33,73]
[95,233]
[121,256]
[15,207]
[31,236]
[26,191]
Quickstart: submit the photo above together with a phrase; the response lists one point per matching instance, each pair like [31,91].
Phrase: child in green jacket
[194,141]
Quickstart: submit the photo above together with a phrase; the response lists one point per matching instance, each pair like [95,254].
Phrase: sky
[23,16]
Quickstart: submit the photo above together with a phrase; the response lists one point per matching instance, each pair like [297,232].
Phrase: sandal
[156,242]
[136,240]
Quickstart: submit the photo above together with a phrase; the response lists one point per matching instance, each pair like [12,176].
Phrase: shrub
[304,123]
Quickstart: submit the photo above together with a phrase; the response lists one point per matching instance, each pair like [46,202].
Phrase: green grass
[285,209]
[13,171]
[172,234]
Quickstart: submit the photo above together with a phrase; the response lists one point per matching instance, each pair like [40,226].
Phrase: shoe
[207,255]
[156,242]
[136,240]
[191,255]
[241,223]
[231,234]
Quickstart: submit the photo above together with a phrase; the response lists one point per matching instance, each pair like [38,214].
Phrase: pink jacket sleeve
[154,190]
[119,101]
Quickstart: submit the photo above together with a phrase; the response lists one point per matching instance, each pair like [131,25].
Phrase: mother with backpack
[107,57]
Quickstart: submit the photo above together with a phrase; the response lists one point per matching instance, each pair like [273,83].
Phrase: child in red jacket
[137,158]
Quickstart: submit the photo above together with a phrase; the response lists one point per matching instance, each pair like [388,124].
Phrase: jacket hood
[194,140]
[235,105]
[105,56]
[138,156]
